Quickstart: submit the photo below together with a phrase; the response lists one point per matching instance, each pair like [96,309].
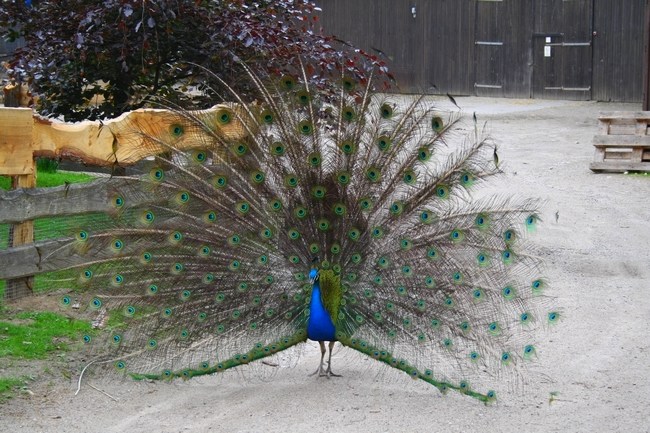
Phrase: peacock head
[313,275]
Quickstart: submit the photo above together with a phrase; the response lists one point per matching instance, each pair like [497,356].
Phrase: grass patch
[60,178]
[47,179]
[46,165]
[31,336]
[8,386]
[42,334]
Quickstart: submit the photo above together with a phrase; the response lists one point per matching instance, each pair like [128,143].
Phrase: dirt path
[597,361]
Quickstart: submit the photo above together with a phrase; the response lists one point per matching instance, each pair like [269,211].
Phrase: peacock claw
[329,373]
[326,373]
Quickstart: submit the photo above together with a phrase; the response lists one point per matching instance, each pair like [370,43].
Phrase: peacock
[344,216]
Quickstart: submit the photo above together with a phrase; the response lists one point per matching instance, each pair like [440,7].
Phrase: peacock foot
[318,371]
[329,373]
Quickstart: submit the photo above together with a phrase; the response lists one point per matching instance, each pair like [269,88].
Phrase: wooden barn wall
[502,54]
[433,49]
[497,47]
[565,71]
[618,50]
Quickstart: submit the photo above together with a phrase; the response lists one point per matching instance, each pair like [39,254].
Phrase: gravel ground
[593,370]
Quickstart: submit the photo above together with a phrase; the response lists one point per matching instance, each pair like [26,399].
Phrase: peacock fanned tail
[369,193]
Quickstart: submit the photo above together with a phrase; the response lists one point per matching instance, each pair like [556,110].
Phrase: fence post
[17,160]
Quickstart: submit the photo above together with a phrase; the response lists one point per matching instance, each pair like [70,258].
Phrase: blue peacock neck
[319,326]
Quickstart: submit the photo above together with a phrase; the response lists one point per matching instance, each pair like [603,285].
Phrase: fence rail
[31,203]
[32,259]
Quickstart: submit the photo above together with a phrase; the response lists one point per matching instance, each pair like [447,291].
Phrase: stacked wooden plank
[623,143]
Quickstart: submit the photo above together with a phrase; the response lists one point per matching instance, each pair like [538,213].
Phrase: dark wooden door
[489,52]
[562,49]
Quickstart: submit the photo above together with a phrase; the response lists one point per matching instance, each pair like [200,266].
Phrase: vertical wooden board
[618,50]
[16,141]
[449,46]
[548,16]
[396,31]
[24,231]
[547,64]
[646,59]
[518,53]
[577,60]
[489,61]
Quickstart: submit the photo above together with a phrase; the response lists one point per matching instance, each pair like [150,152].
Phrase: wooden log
[624,115]
[16,155]
[133,136]
[27,260]
[11,95]
[19,262]
[23,232]
[24,204]
[117,142]
[622,140]
[619,166]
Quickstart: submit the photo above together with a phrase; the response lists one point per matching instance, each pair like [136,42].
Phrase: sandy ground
[596,362]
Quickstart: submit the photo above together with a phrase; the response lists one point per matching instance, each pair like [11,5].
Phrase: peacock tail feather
[374,195]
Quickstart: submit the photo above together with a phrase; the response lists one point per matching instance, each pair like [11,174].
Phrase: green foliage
[46,165]
[41,334]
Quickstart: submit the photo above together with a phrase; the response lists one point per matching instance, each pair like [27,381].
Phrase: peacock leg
[319,370]
[329,372]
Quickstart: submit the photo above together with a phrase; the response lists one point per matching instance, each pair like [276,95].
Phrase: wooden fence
[118,142]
